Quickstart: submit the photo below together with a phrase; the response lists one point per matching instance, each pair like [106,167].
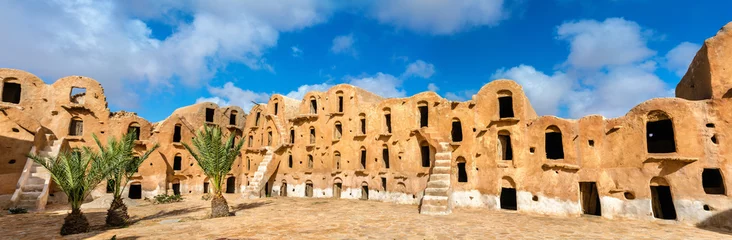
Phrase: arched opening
[312,135]
[292,135]
[309,189]
[508,194]
[338,131]
[313,105]
[205,186]
[713,182]
[387,119]
[289,161]
[135,191]
[363,158]
[209,115]
[423,114]
[462,172]
[276,108]
[383,183]
[590,198]
[175,185]
[257,118]
[553,143]
[340,101]
[269,136]
[177,162]
[251,139]
[77,95]
[283,189]
[176,133]
[505,104]
[310,161]
[134,128]
[661,200]
[504,145]
[337,160]
[660,133]
[385,156]
[76,127]
[337,188]
[249,164]
[232,117]
[424,150]
[11,91]
[231,185]
[457,130]
[364,191]
[363,123]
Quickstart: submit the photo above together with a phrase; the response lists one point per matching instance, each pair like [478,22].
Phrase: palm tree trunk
[75,223]
[219,206]
[117,213]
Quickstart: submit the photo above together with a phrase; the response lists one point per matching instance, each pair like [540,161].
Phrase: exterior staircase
[264,171]
[31,192]
[436,199]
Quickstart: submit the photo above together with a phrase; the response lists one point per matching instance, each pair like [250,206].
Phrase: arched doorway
[231,185]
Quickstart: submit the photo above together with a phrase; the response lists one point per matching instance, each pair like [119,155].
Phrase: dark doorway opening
[505,107]
[457,131]
[289,161]
[385,156]
[340,103]
[205,187]
[312,135]
[110,186]
[283,190]
[363,125]
[135,191]
[425,152]
[231,185]
[462,173]
[232,118]
[590,199]
[11,92]
[276,108]
[363,158]
[313,106]
[176,133]
[383,183]
[364,192]
[256,119]
[387,117]
[309,190]
[177,163]
[423,116]
[505,148]
[553,144]
[76,128]
[712,181]
[134,129]
[267,190]
[337,190]
[660,136]
[292,136]
[662,202]
[176,188]
[209,114]
[508,198]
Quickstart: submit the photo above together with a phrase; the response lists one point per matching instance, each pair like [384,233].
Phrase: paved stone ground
[297,218]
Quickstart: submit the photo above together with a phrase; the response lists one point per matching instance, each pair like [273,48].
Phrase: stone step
[40,175]
[439,192]
[435,200]
[27,204]
[29,195]
[443,156]
[440,177]
[440,170]
[32,188]
[35,180]
[434,210]
[438,184]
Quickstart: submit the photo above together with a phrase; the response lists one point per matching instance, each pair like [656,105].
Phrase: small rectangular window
[209,114]
[11,92]
[505,105]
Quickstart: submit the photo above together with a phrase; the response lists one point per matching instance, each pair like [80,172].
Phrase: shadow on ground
[164,214]
[720,222]
[245,206]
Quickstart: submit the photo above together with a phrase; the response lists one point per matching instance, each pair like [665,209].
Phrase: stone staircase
[265,168]
[436,199]
[32,189]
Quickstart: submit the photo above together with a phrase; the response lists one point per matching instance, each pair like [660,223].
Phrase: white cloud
[608,71]
[296,52]
[432,87]
[108,40]
[614,41]
[439,16]
[419,68]
[679,58]
[344,44]
[384,85]
[304,89]
[460,95]
[229,94]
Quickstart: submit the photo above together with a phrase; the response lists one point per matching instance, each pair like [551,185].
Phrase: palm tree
[77,174]
[119,154]
[215,155]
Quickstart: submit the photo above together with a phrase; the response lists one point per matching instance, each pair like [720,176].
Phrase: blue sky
[573,57]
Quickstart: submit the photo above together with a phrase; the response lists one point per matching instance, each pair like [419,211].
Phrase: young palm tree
[215,155]
[119,154]
[77,174]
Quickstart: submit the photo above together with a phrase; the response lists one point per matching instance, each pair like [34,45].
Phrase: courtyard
[312,218]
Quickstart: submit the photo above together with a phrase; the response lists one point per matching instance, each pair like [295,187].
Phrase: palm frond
[214,154]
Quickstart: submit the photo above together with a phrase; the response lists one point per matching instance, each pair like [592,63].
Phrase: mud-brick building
[667,158]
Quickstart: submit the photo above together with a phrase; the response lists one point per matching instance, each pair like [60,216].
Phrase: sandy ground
[300,218]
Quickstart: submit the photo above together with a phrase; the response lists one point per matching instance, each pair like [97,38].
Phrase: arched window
[337,160]
[76,128]
[269,136]
[134,128]
[276,107]
[309,188]
[310,161]
[232,117]
[177,133]
[312,135]
[363,158]
[425,154]
[313,105]
[553,143]
[462,173]
[340,101]
[385,156]
[457,130]
[256,119]
[230,185]
[177,162]
[338,131]
[660,133]
[362,117]
[505,104]
[289,161]
[423,114]
[292,135]
[249,164]
[387,119]
[662,202]
[504,145]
